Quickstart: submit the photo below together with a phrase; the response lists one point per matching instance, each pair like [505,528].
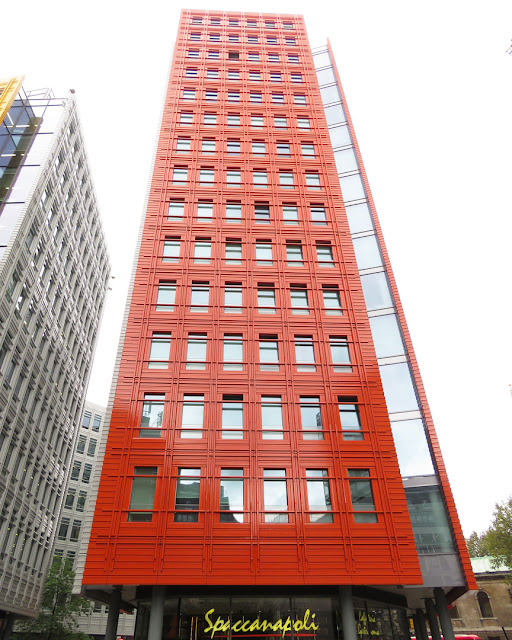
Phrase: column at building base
[444,614]
[419,625]
[113,614]
[347,613]
[156,617]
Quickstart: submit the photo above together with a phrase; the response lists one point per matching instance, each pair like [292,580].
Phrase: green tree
[477,545]
[58,617]
[499,535]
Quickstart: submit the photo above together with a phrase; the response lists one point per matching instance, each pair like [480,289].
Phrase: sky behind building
[429,88]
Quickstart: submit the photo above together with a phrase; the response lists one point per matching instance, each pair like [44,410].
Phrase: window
[215,21]
[233,253]
[318,217]
[231,495]
[324,254]
[255,97]
[484,604]
[286,180]
[290,42]
[233,37]
[312,180]
[273,57]
[152,415]
[362,495]
[213,54]
[264,252]
[159,351]
[258,148]
[196,351]
[233,178]
[275,76]
[252,39]
[262,213]
[91,449]
[187,495]
[280,122]
[269,353]
[283,149]
[81,500]
[96,422]
[197,20]
[171,251]
[272,418]
[211,95]
[206,176]
[275,496]
[192,416]
[80,446]
[332,301]
[212,74]
[256,122]
[233,353]
[319,497]
[311,418]
[214,37]
[269,24]
[305,353]
[176,210]
[290,214]
[233,22]
[70,499]
[233,74]
[294,253]
[303,123]
[232,417]
[86,475]
[179,175]
[293,58]
[266,298]
[183,145]
[299,299]
[188,94]
[233,120]
[191,72]
[75,471]
[287,25]
[233,298]
[202,251]
[86,420]
[199,297]
[254,76]
[350,419]
[210,119]
[299,98]
[208,146]
[278,98]
[259,178]
[296,78]
[233,96]
[195,37]
[233,55]
[271,40]
[308,149]
[233,212]
[253,56]
[233,147]
[205,211]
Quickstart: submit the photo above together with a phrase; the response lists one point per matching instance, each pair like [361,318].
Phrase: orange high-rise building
[250,472]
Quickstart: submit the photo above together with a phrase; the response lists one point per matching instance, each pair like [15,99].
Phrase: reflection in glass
[330,94]
[376,291]
[352,188]
[346,160]
[429,521]
[398,387]
[386,335]
[231,495]
[326,76]
[367,252]
[412,448]
[359,218]
[335,114]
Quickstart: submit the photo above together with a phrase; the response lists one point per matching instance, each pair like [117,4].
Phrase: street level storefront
[270,617]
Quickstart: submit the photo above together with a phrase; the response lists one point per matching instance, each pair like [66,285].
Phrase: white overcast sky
[429,86]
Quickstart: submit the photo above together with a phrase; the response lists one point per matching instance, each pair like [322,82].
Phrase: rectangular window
[262,213]
[233,37]
[213,54]
[290,214]
[204,211]
[296,78]
[350,419]
[272,418]
[176,210]
[340,354]
[86,475]
[233,147]
[231,495]
[91,449]
[188,94]
[166,296]
[208,147]
[86,420]
[202,251]
[271,40]
[305,353]
[191,72]
[252,39]
[253,56]
[303,123]
[171,251]
[234,212]
[286,180]
[273,57]
[283,149]
[269,353]
[324,254]
[196,351]
[75,533]
[318,217]
[287,25]
[233,96]
[361,493]
[308,149]
[275,76]
[312,180]
[70,499]
[206,177]
[233,178]
[319,497]
[80,446]
[256,122]
[214,37]
[280,122]
[152,415]
[209,119]
[195,36]
[63,528]
[233,253]
[299,299]
[233,55]
[96,422]
[232,417]
[293,59]
[192,417]
[258,148]
[311,418]
[233,353]
[294,253]
[159,351]
[259,179]
[332,300]
[290,42]
[197,20]
[299,98]
[254,76]
[233,120]
[183,145]
[75,471]
[199,297]
[255,98]
[263,252]
[187,495]
[278,98]
[179,175]
[275,496]
[212,74]
[233,298]
[269,24]
[266,298]
[81,500]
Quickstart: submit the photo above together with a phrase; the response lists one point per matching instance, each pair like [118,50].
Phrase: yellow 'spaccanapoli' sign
[248,626]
